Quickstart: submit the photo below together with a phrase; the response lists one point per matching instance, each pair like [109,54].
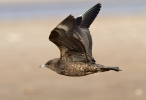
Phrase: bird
[72,37]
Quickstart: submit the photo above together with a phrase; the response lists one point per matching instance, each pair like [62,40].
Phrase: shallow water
[45,10]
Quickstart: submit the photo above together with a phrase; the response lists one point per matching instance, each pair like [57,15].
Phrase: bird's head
[49,65]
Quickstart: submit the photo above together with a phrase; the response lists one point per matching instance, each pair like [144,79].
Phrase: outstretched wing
[81,30]
[71,49]
[89,16]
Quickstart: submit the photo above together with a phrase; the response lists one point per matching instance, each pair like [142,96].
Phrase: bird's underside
[73,38]
[82,69]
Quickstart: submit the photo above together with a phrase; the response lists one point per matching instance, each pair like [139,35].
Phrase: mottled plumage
[72,37]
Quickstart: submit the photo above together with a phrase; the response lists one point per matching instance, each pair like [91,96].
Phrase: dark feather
[78,20]
[81,31]
[89,16]
[71,49]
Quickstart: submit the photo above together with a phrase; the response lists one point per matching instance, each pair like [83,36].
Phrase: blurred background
[119,39]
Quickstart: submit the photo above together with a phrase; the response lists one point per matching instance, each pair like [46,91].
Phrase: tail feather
[110,68]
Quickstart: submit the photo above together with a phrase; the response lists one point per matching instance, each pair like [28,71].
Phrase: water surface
[55,10]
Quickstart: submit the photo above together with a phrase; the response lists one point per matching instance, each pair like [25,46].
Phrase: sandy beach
[117,41]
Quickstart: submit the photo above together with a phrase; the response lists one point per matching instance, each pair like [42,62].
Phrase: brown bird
[72,37]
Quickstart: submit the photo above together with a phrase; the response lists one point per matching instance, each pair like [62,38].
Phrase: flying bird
[73,38]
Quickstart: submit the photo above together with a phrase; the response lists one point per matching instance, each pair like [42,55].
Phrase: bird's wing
[81,30]
[89,16]
[71,49]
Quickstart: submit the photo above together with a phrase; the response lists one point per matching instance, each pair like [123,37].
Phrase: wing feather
[71,49]
[89,16]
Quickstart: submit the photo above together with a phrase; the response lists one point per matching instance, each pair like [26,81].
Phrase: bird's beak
[42,66]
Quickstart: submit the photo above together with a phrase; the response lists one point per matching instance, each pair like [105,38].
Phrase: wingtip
[99,4]
[89,15]
[71,16]
[67,20]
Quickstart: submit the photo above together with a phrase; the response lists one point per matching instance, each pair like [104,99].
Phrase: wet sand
[119,41]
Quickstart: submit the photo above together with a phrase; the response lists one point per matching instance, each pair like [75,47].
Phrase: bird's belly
[78,69]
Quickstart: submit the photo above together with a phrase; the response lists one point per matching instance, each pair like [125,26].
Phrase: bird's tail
[103,69]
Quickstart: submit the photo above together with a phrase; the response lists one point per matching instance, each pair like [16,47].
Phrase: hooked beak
[42,66]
